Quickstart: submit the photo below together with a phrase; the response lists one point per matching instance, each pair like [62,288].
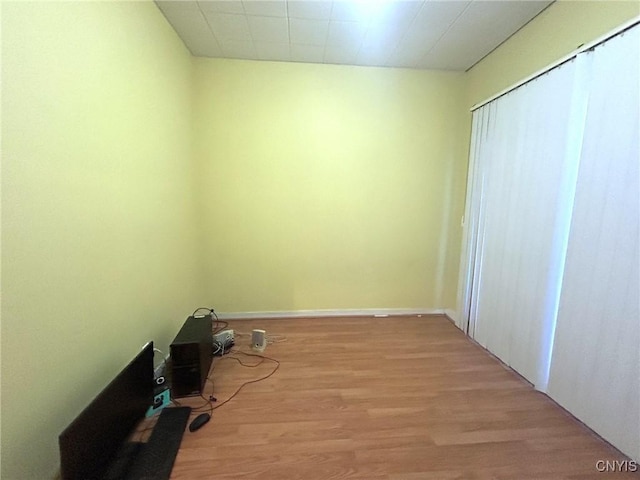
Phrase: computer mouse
[199,421]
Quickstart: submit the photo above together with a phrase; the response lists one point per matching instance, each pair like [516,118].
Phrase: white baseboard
[372,312]
[451,315]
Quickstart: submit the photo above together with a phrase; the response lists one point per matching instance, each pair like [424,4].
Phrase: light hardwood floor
[394,398]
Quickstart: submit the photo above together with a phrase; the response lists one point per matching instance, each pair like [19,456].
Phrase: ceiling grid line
[448,29]
[288,28]
[404,35]
[326,35]
[213,34]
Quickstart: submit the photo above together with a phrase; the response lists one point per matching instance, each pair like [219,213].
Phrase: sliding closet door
[595,368]
[521,164]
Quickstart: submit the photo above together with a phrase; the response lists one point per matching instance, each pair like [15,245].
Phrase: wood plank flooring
[399,398]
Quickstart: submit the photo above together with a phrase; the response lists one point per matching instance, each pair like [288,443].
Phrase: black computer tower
[191,353]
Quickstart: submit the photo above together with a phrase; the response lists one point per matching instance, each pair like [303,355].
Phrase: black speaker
[191,354]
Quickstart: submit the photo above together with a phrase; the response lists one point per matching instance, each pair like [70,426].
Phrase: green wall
[99,251]
[328,187]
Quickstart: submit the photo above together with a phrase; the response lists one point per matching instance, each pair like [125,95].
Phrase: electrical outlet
[224,337]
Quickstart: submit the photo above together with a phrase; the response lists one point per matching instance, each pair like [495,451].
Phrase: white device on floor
[258,340]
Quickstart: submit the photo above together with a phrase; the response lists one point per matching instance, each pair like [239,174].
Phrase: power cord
[271,339]
[204,406]
[208,309]
[250,381]
[218,325]
[208,405]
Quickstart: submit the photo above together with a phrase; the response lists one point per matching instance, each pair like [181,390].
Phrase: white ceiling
[431,34]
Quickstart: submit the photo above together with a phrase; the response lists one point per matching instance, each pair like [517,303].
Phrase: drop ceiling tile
[268,29]
[478,30]
[273,51]
[407,58]
[206,49]
[399,13]
[194,31]
[345,32]
[402,33]
[375,56]
[420,39]
[307,31]
[310,9]
[431,22]
[435,61]
[184,20]
[265,8]
[398,61]
[238,49]
[202,45]
[353,11]
[340,55]
[227,27]
[218,6]
[306,53]
[383,35]
[177,5]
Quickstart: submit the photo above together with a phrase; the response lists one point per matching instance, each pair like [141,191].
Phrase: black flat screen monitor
[89,444]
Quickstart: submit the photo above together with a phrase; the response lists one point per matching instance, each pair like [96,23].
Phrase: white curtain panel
[520,159]
[468,258]
[595,367]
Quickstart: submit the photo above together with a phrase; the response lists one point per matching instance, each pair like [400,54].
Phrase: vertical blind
[595,368]
[520,182]
[550,267]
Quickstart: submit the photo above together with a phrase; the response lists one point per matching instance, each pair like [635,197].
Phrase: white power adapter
[224,337]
